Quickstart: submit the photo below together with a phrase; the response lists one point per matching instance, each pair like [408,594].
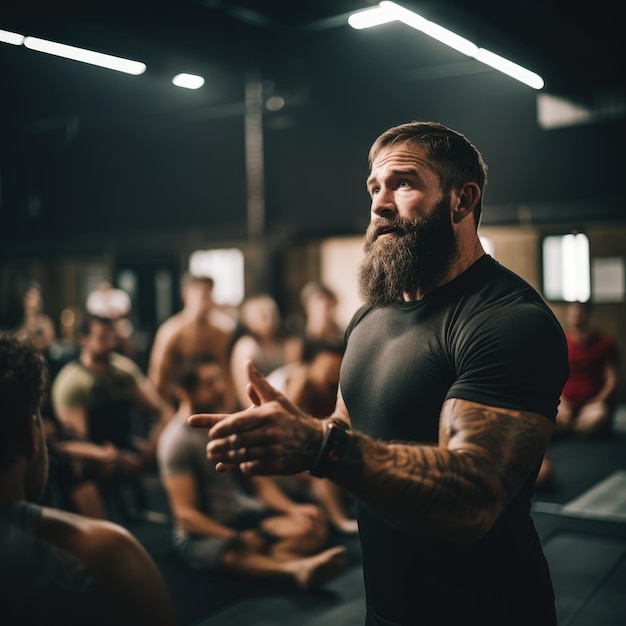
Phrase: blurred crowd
[109,398]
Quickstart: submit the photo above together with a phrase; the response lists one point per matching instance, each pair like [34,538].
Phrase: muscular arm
[457,489]
[183,498]
[164,369]
[161,337]
[74,418]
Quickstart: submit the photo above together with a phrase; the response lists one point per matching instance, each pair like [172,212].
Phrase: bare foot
[316,570]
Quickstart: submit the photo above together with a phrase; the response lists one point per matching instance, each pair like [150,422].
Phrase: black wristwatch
[334,446]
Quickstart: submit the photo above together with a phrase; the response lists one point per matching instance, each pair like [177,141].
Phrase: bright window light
[13,38]
[488,246]
[188,81]
[226,268]
[609,279]
[566,268]
[390,11]
[85,56]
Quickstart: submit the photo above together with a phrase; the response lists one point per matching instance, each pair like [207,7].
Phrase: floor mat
[606,500]
[589,577]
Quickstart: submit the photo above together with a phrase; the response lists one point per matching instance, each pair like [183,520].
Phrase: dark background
[88,155]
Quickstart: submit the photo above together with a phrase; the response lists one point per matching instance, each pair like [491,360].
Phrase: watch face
[333,448]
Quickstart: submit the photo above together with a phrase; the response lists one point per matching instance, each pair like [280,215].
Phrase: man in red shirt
[588,397]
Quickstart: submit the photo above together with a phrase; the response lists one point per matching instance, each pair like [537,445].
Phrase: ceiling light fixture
[188,81]
[370,17]
[390,11]
[85,56]
[14,39]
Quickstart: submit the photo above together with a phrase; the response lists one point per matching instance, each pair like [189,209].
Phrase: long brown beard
[417,254]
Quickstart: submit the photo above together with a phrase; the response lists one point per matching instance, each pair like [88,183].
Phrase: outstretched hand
[272,436]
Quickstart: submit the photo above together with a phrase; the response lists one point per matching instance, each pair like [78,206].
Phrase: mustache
[382,225]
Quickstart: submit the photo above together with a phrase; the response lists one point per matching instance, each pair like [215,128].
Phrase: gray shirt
[182,450]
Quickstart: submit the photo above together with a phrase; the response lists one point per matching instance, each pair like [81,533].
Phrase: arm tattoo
[454,490]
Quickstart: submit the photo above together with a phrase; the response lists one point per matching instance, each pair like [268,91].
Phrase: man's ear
[467,197]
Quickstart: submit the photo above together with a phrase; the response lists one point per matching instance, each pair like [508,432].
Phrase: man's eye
[374,190]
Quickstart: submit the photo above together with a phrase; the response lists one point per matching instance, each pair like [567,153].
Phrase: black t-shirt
[486,337]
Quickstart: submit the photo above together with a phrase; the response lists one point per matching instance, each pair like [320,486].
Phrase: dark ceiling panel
[78,141]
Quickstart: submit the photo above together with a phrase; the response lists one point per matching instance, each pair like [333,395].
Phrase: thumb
[259,390]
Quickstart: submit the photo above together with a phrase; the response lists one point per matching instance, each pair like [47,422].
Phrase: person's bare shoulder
[92,541]
[121,565]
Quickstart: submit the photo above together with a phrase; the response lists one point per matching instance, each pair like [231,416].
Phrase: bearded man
[447,399]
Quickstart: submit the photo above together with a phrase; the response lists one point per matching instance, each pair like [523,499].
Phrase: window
[225,267]
[566,267]
[608,279]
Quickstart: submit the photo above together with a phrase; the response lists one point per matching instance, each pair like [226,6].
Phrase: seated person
[588,398]
[69,485]
[96,397]
[312,386]
[58,567]
[219,525]
[589,395]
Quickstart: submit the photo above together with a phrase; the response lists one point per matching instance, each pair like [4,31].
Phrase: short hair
[190,279]
[23,378]
[455,159]
[313,288]
[247,307]
[311,348]
[84,328]
[186,373]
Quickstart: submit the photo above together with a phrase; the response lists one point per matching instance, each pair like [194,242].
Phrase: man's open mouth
[387,230]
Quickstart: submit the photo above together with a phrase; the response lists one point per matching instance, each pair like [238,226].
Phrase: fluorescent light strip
[370,17]
[188,81]
[511,69]
[390,11]
[14,39]
[445,36]
[86,56]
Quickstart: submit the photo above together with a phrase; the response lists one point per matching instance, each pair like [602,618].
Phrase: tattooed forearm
[457,489]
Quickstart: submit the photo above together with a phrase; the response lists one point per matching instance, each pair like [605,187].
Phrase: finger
[250,468]
[205,420]
[259,389]
[237,423]
[252,394]
[237,448]
[258,386]
[253,468]
[226,467]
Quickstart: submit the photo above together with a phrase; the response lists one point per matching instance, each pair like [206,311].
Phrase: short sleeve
[512,357]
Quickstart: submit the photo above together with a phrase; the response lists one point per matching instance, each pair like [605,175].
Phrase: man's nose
[383,203]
